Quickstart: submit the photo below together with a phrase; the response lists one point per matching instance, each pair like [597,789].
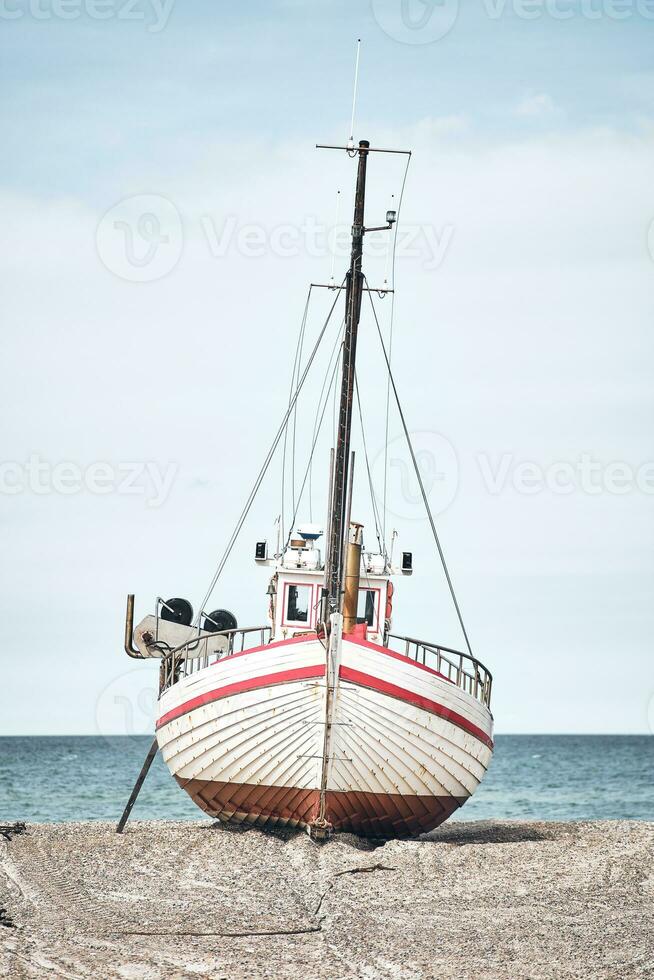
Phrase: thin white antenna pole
[338,202]
[354,97]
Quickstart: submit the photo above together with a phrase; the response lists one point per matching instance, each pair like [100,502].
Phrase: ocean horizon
[51,779]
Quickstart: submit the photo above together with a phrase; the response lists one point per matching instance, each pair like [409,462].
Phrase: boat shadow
[287,834]
[458,833]
[488,832]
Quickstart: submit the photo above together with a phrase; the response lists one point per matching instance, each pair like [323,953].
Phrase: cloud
[536,106]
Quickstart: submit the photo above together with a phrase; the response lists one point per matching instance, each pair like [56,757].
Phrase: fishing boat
[322,718]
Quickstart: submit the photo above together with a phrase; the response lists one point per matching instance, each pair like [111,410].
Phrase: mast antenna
[350,143]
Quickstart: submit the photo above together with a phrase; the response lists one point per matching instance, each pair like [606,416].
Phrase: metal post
[137,786]
[352,578]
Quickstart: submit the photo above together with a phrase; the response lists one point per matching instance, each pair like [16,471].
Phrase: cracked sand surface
[188,900]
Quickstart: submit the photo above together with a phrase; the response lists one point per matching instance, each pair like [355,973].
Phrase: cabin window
[368,605]
[297,603]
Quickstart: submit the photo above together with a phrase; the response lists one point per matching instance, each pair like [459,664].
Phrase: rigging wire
[334,414]
[316,436]
[390,345]
[389,250]
[375,511]
[296,370]
[264,468]
[335,241]
[293,448]
[420,482]
[335,349]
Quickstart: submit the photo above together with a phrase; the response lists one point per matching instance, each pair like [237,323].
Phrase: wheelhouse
[297,585]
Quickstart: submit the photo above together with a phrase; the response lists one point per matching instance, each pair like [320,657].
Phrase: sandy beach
[483,900]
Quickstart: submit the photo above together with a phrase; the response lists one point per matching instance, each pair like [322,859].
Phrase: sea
[532,777]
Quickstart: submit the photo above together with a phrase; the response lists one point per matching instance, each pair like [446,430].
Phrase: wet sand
[188,900]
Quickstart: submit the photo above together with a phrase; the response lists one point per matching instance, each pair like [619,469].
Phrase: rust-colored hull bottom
[366,814]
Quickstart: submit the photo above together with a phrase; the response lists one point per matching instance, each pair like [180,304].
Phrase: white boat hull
[245,738]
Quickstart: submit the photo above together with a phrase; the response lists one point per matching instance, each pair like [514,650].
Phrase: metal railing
[460,668]
[466,672]
[195,654]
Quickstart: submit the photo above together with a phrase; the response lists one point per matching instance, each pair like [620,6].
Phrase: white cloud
[536,106]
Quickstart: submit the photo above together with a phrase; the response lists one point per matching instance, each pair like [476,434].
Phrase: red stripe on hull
[402,694]
[377,815]
[251,684]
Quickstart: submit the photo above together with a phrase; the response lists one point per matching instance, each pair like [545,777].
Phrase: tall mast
[353,293]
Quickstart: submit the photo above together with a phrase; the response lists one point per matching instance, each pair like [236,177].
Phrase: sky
[164,210]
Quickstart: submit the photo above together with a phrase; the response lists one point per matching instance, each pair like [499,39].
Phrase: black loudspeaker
[407,561]
[261,551]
